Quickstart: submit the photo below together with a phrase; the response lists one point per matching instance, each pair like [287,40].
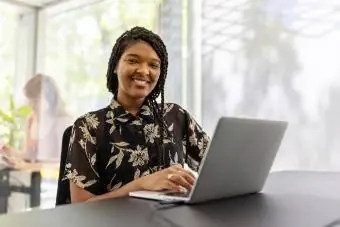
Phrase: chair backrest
[63,192]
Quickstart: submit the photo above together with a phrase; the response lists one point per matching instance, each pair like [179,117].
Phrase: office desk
[281,208]
[322,184]
[33,190]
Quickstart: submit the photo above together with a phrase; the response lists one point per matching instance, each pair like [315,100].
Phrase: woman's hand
[174,178]
[5,148]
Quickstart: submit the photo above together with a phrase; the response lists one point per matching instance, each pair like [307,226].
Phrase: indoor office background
[246,58]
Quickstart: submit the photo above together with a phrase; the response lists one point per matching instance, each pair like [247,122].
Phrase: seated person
[134,143]
[46,124]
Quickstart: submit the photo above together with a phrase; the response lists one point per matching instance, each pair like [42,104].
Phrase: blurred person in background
[47,122]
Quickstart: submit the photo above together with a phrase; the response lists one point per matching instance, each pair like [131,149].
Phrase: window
[278,60]
[9,30]
[77,43]
[8,26]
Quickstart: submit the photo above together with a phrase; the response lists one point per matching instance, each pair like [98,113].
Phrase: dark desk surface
[303,199]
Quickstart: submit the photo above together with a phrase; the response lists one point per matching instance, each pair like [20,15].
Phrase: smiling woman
[138,71]
[134,143]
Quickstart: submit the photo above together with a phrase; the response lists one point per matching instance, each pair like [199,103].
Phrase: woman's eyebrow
[137,56]
[133,55]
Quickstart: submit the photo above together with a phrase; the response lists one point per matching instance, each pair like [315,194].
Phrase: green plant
[12,123]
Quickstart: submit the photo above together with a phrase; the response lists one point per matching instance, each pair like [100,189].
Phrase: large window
[9,30]
[77,43]
[279,60]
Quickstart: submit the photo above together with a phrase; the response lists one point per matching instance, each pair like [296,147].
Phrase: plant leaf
[6,117]
[24,111]
[11,103]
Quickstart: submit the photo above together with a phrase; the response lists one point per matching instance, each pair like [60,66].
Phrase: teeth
[139,82]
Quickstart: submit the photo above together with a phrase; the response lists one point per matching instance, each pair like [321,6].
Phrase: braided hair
[122,43]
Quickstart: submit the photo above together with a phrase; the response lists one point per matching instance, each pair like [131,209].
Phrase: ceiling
[35,3]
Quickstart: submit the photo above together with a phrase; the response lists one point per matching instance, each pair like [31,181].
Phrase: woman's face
[138,71]
[34,103]
[39,104]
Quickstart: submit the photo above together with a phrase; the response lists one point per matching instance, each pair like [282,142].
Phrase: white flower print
[193,140]
[145,173]
[73,135]
[171,127]
[168,108]
[151,132]
[79,180]
[137,174]
[91,120]
[110,120]
[136,122]
[87,135]
[118,158]
[146,110]
[82,143]
[114,104]
[116,186]
[200,146]
[139,157]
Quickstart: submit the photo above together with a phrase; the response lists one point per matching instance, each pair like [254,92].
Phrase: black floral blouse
[111,147]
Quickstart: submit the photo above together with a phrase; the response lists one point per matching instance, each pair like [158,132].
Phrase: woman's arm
[174,178]
[81,195]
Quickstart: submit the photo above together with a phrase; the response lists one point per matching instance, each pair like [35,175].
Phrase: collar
[122,116]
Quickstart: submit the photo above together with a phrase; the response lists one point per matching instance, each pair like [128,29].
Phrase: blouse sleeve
[195,141]
[81,167]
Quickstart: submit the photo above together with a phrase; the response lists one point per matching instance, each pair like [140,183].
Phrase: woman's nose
[143,69]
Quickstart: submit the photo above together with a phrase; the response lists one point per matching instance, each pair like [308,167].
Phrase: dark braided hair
[125,40]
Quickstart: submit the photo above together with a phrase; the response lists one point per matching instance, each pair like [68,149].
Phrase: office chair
[63,191]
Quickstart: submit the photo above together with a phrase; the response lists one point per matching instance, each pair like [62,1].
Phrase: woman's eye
[132,61]
[154,66]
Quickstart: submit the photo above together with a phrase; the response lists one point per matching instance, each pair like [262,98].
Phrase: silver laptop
[237,162]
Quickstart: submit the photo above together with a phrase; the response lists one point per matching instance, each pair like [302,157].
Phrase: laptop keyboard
[179,194]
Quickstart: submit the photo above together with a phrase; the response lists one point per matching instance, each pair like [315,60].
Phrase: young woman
[134,143]
[46,125]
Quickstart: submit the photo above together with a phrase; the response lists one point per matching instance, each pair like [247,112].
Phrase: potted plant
[12,122]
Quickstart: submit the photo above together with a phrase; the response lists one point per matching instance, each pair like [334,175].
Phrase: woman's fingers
[188,177]
[172,186]
[179,168]
[180,180]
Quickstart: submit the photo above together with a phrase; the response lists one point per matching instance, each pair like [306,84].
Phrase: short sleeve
[81,167]
[195,141]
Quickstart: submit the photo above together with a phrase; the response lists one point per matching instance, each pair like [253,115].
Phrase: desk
[33,189]
[322,184]
[277,206]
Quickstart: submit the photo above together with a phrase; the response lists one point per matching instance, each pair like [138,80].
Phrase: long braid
[163,128]
[126,39]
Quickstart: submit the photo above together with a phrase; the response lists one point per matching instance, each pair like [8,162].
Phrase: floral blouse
[111,147]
